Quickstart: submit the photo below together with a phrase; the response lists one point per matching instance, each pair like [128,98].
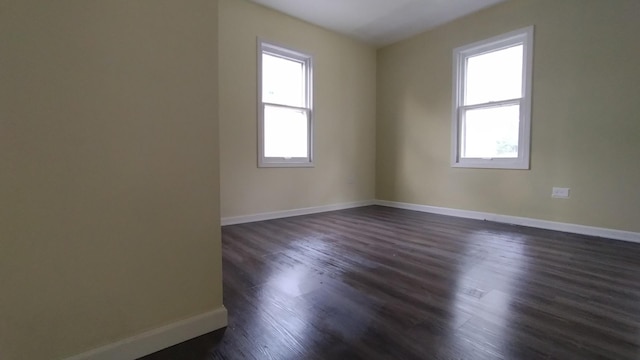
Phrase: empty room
[298,179]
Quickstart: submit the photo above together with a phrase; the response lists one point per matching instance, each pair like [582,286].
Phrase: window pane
[285,132]
[494,76]
[283,81]
[491,132]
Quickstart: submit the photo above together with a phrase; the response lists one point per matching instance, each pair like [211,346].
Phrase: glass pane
[491,132]
[283,81]
[285,132]
[494,76]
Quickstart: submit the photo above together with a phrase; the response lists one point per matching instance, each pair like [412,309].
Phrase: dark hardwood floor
[382,283]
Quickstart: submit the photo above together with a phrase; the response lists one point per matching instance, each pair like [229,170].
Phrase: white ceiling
[378,22]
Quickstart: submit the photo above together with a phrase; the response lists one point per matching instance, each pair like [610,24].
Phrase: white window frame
[460,55]
[269,47]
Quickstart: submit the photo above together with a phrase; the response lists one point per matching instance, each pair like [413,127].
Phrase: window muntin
[492,102]
[285,112]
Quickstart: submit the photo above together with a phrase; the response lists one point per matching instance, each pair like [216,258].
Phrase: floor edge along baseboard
[160,338]
[515,220]
[234,220]
[523,221]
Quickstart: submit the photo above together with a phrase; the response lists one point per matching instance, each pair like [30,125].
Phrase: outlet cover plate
[560,193]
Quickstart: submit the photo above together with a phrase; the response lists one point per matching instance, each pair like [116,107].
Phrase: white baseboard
[536,223]
[158,339]
[295,212]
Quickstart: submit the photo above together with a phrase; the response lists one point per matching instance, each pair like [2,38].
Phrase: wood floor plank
[382,283]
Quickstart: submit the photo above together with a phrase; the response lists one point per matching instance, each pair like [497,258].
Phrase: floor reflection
[483,296]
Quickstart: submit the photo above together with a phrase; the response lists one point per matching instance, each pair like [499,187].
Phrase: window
[285,119]
[492,102]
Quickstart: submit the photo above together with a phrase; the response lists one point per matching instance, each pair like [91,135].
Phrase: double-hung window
[285,119]
[492,102]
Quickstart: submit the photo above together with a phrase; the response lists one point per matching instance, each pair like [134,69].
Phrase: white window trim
[522,36]
[298,56]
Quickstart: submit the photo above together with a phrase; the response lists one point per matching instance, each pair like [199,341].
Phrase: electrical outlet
[560,193]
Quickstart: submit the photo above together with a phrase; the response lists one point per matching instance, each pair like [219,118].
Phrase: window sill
[492,164]
[286,165]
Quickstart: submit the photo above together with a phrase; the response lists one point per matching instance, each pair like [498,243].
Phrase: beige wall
[344,101]
[585,125]
[109,224]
